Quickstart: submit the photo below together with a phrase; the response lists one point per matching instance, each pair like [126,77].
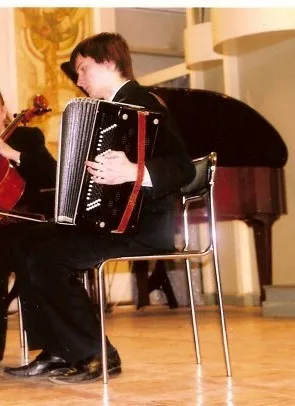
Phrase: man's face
[95,78]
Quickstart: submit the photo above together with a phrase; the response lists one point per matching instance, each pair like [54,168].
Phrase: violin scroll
[40,107]
[40,104]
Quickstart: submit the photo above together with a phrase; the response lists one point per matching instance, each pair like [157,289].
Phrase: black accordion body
[90,127]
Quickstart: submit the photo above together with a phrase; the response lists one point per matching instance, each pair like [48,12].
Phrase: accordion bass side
[90,127]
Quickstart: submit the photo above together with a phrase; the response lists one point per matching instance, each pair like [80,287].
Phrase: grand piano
[250,158]
[250,154]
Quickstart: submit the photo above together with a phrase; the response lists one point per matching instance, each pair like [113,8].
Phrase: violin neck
[11,127]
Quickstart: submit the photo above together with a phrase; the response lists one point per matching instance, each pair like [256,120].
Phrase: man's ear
[110,65]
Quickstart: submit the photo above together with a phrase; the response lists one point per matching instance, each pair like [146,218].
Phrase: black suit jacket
[170,168]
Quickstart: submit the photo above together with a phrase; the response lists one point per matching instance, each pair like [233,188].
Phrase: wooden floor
[159,365]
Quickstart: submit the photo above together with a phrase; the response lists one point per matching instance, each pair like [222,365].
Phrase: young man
[48,258]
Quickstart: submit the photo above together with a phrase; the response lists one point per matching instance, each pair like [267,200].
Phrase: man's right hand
[8,152]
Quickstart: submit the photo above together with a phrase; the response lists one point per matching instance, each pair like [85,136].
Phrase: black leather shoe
[89,370]
[44,363]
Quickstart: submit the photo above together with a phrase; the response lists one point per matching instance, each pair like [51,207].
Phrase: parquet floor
[159,366]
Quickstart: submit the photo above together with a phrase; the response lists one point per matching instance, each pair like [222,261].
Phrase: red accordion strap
[141,118]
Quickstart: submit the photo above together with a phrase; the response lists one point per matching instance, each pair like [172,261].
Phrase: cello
[12,185]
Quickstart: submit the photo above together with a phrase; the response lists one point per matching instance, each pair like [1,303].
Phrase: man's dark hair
[106,46]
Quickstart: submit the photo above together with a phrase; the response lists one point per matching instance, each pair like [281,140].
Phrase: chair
[22,334]
[201,189]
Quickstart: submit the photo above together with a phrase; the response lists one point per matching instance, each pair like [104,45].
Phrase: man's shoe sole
[36,376]
[111,371]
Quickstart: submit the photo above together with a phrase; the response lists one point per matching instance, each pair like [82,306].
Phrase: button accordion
[90,127]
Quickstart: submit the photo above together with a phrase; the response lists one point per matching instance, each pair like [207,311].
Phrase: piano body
[250,159]
[250,155]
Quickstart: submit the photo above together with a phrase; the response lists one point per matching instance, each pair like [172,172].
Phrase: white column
[245,263]
[197,79]
[8,70]
[247,275]
[231,75]
[104,19]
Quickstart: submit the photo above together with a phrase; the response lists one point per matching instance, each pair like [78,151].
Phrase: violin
[40,107]
[12,185]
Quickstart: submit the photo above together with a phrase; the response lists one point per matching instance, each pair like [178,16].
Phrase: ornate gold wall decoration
[45,38]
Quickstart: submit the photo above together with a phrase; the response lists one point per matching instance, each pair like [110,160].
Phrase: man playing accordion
[48,258]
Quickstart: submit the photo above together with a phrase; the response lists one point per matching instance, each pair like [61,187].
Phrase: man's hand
[112,168]
[8,152]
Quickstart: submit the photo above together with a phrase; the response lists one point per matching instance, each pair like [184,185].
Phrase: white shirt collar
[116,91]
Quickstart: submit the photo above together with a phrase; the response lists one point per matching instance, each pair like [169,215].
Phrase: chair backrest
[200,188]
[204,178]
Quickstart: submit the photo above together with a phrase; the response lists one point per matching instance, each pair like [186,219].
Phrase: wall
[8,76]
[45,38]
[152,47]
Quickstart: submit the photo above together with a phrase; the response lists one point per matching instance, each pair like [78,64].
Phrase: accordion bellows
[90,127]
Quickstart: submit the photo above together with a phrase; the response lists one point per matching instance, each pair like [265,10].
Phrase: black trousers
[9,233]
[58,314]
[3,314]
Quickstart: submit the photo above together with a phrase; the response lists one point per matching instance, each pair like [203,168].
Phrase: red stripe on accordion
[141,117]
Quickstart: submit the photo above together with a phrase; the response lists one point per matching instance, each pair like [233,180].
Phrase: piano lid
[211,121]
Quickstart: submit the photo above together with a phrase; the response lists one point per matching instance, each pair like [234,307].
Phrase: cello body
[12,185]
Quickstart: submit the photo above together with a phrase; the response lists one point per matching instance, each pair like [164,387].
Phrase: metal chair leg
[218,285]
[193,311]
[22,333]
[102,321]
[96,288]
[222,318]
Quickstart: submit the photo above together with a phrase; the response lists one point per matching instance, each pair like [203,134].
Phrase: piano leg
[263,244]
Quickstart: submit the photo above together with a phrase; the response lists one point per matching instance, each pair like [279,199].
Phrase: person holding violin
[25,151]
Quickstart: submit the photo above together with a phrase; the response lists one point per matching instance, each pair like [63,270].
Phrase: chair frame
[185,254]
[22,334]
[187,198]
